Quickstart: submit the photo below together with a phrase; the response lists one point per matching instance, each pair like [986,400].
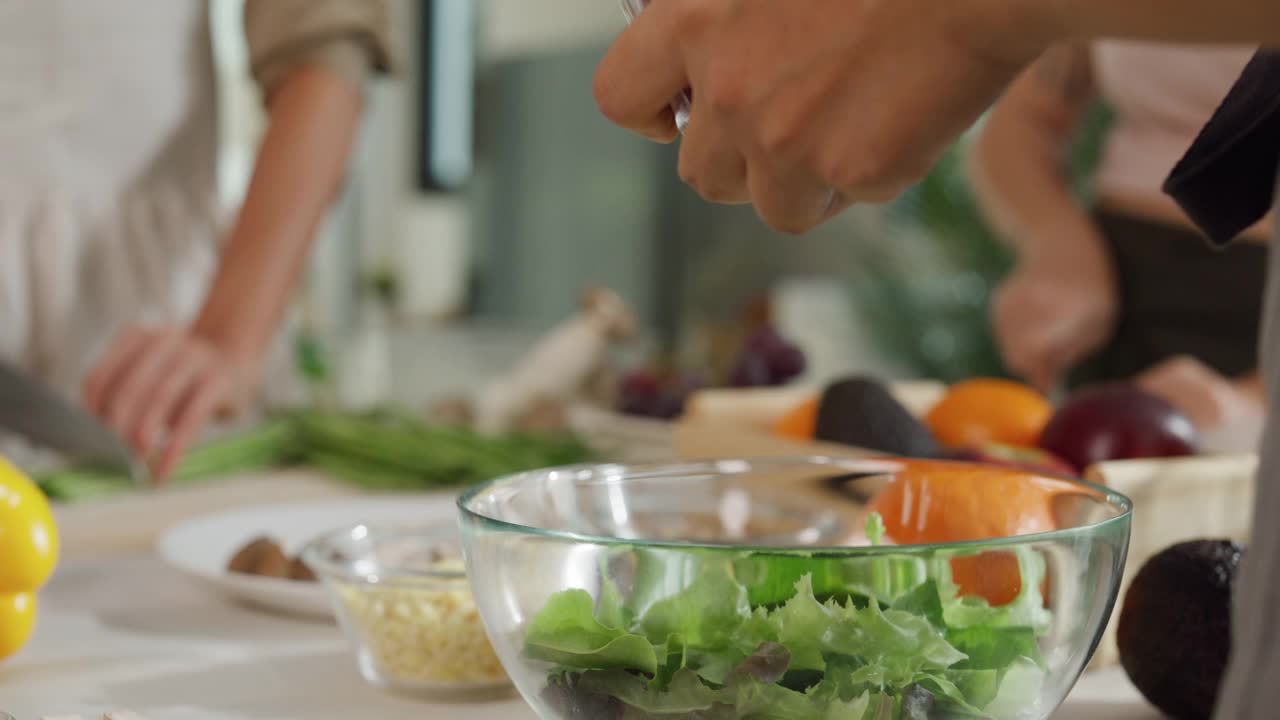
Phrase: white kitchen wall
[384,221]
[240,116]
[428,236]
[523,27]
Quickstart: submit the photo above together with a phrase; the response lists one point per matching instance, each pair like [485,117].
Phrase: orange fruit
[992,576]
[800,423]
[934,503]
[939,502]
[980,412]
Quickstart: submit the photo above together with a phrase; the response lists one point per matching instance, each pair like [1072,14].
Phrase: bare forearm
[1018,176]
[1190,21]
[1019,165]
[313,120]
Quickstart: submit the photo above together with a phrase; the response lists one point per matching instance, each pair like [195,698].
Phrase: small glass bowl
[401,595]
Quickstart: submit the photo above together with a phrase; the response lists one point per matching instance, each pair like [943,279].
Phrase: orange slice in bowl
[935,503]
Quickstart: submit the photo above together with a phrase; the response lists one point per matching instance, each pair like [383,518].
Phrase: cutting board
[716,439]
[734,423]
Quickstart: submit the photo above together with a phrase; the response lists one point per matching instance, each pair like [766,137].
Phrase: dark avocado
[1174,631]
[863,413]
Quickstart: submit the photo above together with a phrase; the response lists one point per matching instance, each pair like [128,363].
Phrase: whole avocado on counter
[862,412]
[1174,630]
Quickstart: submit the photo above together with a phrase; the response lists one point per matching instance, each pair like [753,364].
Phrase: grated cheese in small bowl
[402,596]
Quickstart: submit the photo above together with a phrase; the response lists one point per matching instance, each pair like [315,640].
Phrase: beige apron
[108,206]
[109,213]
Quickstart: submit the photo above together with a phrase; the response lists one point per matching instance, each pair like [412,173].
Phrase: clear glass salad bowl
[805,589]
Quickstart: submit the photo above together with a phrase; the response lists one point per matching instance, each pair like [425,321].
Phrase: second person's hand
[160,388]
[807,106]
[1053,312]
[1214,403]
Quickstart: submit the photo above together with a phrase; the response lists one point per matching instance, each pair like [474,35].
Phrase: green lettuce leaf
[612,611]
[896,646]
[875,529]
[1019,693]
[801,625]
[855,639]
[743,698]
[759,627]
[686,693]
[716,664]
[757,701]
[705,614]
[1026,611]
[771,579]
[979,687]
[567,633]
[993,648]
[712,621]
[673,656]
[924,601]
[946,692]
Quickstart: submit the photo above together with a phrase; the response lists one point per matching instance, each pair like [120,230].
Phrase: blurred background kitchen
[489,191]
[501,257]
[509,282]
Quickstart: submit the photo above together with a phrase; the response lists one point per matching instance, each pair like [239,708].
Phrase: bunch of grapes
[766,360]
[644,394]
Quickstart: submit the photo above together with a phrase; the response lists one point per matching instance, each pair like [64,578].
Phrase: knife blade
[34,411]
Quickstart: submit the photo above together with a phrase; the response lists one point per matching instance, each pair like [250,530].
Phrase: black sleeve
[1227,181]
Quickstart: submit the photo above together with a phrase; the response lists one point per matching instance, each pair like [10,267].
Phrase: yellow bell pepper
[28,554]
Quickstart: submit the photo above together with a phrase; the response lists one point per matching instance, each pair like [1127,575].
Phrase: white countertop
[130,633]
[119,630]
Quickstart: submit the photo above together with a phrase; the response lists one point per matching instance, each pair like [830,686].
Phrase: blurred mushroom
[560,364]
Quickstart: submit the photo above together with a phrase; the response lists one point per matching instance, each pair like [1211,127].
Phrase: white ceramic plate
[201,548]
